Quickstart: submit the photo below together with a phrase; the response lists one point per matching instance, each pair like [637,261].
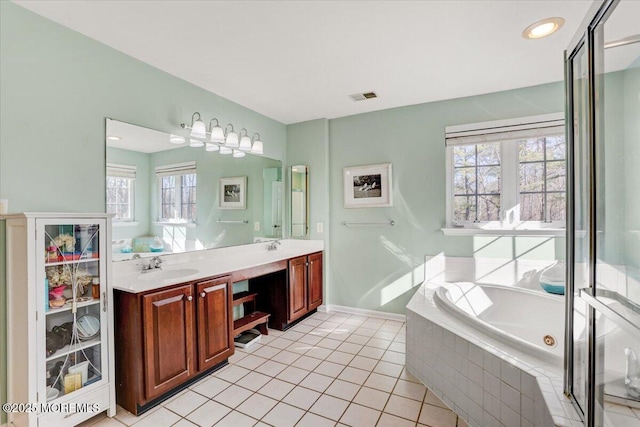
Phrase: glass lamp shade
[225,150]
[217,135]
[198,129]
[195,143]
[245,143]
[232,140]
[238,153]
[257,147]
[212,147]
[176,139]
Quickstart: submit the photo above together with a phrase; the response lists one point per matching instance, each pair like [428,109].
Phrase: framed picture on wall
[233,193]
[368,186]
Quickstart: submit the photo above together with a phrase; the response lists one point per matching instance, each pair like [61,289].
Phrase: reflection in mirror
[299,201]
[165,194]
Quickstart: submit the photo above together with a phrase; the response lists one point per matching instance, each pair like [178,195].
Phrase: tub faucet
[632,373]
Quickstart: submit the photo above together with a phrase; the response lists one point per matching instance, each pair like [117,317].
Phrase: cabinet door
[315,280]
[297,287]
[168,339]
[215,323]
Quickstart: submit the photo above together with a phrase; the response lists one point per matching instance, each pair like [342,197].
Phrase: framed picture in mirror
[233,193]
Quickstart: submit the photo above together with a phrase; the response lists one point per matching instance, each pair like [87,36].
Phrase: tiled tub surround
[482,379]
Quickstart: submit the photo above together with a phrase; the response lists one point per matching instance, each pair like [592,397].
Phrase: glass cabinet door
[72,335]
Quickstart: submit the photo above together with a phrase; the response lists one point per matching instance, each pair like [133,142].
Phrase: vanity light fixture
[113,137]
[212,147]
[232,137]
[245,141]
[217,133]
[176,139]
[257,144]
[238,153]
[198,128]
[226,140]
[543,28]
[195,143]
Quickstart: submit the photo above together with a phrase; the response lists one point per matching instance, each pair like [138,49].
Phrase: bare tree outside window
[476,182]
[119,198]
[542,179]
[178,197]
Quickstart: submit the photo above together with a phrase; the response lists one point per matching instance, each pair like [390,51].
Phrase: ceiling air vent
[363,96]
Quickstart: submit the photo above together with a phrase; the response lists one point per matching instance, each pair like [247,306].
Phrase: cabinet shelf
[74,261]
[68,349]
[68,306]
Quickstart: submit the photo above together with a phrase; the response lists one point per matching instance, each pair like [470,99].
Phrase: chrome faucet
[154,263]
[272,246]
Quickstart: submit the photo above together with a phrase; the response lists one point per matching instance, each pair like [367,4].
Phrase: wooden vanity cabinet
[290,293]
[215,322]
[167,327]
[305,285]
[315,280]
[298,285]
[165,338]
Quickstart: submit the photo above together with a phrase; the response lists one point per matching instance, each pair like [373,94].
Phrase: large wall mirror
[299,201]
[169,197]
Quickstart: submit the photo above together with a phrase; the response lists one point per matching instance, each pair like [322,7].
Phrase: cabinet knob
[189,298]
[202,294]
[306,263]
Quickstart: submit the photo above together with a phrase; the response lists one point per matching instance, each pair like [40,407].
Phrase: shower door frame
[596,16]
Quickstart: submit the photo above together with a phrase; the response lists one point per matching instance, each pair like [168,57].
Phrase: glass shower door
[579,215]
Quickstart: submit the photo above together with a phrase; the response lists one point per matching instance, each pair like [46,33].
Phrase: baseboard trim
[329,308]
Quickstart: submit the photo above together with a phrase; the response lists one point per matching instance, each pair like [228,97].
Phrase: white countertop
[128,276]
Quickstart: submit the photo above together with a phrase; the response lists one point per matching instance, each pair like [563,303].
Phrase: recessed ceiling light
[113,137]
[543,28]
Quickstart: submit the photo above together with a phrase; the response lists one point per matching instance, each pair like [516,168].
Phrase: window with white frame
[121,191]
[507,173]
[177,199]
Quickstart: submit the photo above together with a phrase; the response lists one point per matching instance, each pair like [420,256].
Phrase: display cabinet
[58,328]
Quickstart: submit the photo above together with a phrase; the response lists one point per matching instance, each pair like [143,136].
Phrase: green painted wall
[57,87]
[373,267]
[308,144]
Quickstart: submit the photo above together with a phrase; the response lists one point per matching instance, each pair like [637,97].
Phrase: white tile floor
[332,369]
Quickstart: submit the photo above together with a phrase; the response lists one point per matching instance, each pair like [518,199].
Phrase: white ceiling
[138,138]
[299,60]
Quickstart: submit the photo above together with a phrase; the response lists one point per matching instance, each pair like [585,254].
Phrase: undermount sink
[168,274]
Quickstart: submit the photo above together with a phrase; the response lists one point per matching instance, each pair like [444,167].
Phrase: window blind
[505,130]
[121,171]
[176,169]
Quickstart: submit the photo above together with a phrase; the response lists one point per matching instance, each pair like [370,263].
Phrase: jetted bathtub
[529,321]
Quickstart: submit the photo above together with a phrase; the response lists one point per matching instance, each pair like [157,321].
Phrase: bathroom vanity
[174,325]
